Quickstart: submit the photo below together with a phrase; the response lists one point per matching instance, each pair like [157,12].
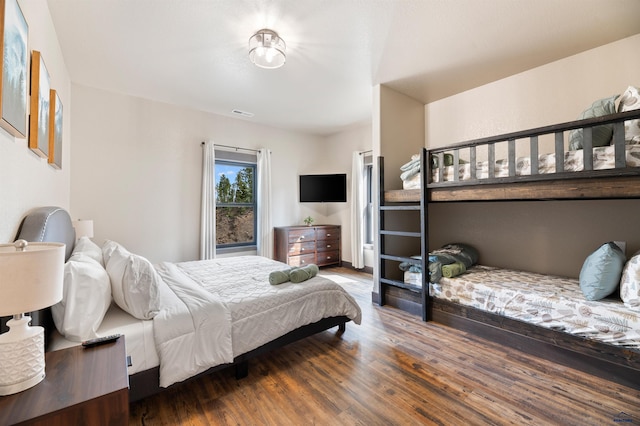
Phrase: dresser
[302,245]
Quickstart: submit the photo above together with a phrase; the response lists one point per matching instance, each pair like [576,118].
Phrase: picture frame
[39,106]
[14,69]
[55,130]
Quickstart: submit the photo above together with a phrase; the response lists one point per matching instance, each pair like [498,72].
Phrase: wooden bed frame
[618,364]
[53,224]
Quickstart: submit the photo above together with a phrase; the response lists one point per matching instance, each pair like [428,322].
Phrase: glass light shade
[30,279]
[267,49]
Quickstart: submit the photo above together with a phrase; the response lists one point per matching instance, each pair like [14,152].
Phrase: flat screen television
[323,188]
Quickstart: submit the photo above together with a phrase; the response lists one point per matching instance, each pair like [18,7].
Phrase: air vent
[242,113]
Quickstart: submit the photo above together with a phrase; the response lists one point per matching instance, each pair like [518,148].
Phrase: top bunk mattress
[545,300]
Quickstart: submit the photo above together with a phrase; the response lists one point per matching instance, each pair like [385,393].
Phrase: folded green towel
[453,269]
[279,277]
[298,275]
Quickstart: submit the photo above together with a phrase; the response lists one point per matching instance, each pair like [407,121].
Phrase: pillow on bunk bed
[601,135]
[629,101]
[86,297]
[630,283]
[134,281]
[601,271]
[463,253]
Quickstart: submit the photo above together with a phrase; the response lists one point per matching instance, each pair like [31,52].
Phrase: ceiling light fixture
[267,49]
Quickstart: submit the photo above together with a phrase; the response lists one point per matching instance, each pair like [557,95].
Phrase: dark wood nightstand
[82,386]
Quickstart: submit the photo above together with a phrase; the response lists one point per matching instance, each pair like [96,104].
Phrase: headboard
[45,224]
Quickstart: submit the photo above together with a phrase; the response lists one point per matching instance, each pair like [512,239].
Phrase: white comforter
[214,310]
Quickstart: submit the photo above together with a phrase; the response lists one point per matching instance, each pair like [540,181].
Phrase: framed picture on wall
[14,68]
[55,130]
[39,109]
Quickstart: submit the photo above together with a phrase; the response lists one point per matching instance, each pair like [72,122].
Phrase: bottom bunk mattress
[548,301]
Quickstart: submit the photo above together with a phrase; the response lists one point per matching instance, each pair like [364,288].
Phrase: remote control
[100,340]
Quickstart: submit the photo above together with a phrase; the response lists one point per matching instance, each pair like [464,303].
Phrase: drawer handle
[329,257]
[328,245]
[328,235]
[302,237]
[302,249]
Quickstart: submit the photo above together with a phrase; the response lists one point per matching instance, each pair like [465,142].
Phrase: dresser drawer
[300,235]
[328,257]
[307,247]
[327,245]
[302,260]
[328,233]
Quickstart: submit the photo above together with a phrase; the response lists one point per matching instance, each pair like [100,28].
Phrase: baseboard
[366,269]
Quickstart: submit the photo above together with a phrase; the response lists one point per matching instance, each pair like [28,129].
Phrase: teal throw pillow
[601,271]
[601,135]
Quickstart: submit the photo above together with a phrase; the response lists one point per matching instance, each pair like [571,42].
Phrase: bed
[180,320]
[544,315]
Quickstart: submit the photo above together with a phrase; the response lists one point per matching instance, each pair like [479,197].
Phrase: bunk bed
[512,168]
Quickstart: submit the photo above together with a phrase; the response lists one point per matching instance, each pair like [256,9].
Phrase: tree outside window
[235,204]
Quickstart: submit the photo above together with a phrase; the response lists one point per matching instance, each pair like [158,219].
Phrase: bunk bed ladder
[385,208]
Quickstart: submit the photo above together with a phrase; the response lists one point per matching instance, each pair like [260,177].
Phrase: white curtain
[265,229]
[208,207]
[358,210]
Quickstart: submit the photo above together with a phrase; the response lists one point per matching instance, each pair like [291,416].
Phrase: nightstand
[82,386]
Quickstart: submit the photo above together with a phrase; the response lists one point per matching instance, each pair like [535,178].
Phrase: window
[368,225]
[235,203]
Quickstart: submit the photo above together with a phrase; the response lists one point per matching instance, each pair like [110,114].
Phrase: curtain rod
[233,147]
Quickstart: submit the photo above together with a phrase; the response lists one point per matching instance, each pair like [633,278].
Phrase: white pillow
[85,246]
[85,299]
[630,283]
[134,281]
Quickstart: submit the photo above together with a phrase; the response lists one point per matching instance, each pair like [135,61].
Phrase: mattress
[544,300]
[603,158]
[139,342]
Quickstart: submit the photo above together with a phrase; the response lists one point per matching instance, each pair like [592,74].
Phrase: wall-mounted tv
[323,188]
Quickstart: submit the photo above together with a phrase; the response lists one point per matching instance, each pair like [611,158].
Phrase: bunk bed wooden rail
[617,182]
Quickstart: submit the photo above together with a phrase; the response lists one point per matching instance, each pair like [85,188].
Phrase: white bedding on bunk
[544,300]
[603,158]
[212,311]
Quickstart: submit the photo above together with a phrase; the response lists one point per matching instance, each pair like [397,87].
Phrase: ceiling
[193,53]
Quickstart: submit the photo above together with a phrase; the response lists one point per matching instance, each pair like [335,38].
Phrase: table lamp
[84,228]
[31,277]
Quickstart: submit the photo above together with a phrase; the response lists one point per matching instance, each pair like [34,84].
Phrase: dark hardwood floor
[394,369]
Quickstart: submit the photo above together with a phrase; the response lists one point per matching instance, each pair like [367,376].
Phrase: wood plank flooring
[393,369]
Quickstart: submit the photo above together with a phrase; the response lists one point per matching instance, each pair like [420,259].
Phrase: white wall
[550,237]
[26,180]
[137,169]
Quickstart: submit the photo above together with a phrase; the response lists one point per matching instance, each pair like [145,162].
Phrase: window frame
[369,228]
[254,205]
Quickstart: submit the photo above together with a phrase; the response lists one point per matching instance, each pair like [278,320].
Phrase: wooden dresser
[302,245]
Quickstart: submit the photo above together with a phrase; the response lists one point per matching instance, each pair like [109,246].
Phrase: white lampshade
[267,49]
[31,278]
[84,228]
